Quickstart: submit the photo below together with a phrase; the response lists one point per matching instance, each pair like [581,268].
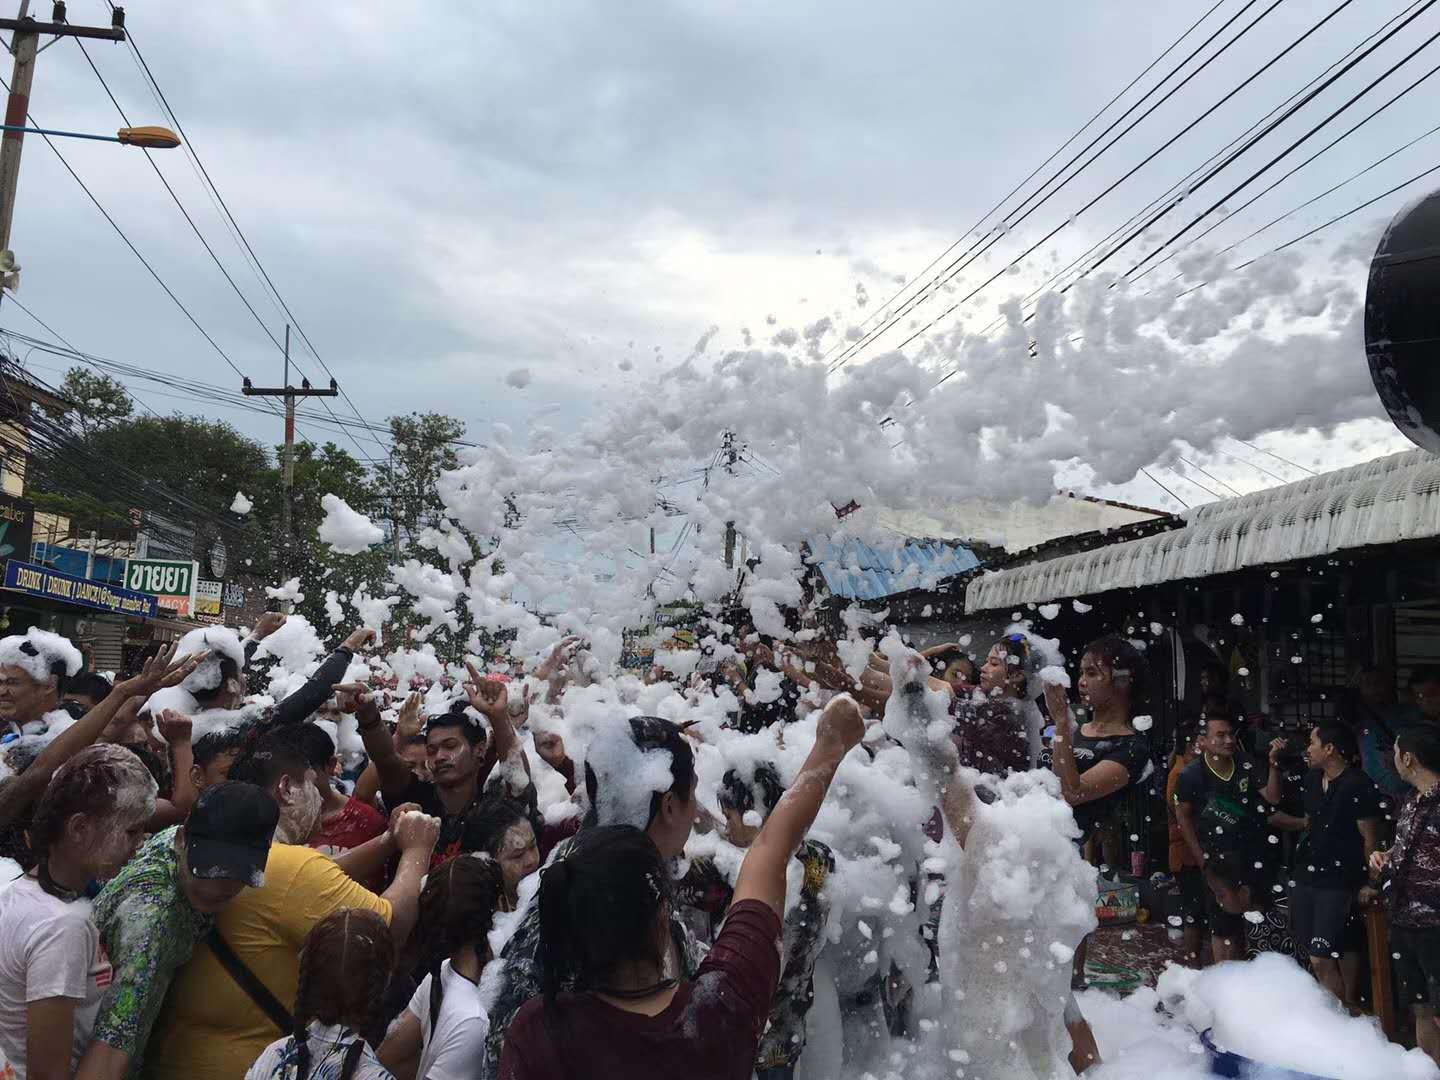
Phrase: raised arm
[265,625]
[300,705]
[175,729]
[1274,790]
[492,698]
[1096,782]
[393,770]
[20,794]
[762,874]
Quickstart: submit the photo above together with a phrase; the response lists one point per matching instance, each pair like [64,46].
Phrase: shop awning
[1380,502]
[857,571]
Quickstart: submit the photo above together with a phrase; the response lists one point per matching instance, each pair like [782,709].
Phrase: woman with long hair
[440,1035]
[613,1003]
[338,1014]
[1100,760]
[90,820]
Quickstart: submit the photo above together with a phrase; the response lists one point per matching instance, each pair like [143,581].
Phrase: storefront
[1291,590]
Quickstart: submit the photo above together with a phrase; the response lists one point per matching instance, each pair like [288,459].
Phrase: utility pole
[289,393]
[24,44]
[731,454]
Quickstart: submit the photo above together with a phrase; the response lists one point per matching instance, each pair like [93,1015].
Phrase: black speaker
[1402,321]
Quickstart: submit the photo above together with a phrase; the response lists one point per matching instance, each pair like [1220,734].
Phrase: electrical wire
[1018,187]
[170,112]
[972,254]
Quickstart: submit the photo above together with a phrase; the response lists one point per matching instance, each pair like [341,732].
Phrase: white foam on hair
[222,643]
[626,775]
[50,649]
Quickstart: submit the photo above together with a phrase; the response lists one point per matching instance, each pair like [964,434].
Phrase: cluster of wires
[1384,68]
[48,442]
[354,427]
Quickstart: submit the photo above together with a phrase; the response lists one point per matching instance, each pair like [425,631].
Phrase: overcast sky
[449,195]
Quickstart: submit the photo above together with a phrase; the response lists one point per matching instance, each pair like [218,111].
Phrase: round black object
[1402,321]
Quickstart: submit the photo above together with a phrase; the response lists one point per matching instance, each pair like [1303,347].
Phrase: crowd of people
[357,881]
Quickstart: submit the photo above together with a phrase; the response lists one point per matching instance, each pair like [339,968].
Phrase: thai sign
[170,581]
[51,584]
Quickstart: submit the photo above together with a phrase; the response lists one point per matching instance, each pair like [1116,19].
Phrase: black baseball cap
[228,834]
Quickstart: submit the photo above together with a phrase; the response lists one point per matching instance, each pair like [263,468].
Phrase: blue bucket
[1227,1063]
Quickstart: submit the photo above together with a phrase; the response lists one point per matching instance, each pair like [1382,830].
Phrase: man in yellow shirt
[213,1029]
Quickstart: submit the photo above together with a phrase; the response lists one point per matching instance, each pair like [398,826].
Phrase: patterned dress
[804,934]
[149,930]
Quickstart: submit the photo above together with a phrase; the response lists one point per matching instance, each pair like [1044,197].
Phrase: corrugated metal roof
[1380,502]
[857,571]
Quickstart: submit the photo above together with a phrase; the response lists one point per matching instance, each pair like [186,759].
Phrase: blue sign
[53,585]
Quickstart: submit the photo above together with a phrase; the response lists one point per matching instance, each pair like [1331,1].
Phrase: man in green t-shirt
[163,902]
[1223,802]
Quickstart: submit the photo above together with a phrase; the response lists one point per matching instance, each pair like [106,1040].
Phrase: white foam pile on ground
[1267,1010]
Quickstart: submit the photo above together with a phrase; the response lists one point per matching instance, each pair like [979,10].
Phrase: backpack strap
[248,981]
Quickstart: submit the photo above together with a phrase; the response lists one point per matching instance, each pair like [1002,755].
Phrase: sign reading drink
[170,581]
[53,585]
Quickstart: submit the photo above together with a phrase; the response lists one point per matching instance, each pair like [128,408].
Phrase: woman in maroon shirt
[613,1007]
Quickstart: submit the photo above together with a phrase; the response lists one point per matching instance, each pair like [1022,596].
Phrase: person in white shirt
[90,820]
[440,1035]
[344,967]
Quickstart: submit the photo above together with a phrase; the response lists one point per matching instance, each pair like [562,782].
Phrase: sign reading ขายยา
[170,581]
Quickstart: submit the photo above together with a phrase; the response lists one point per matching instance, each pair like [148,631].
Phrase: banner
[170,581]
[41,581]
[208,595]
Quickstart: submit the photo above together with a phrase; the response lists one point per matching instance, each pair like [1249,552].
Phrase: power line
[170,112]
[1180,184]
[1202,472]
[1286,176]
[1165,489]
[1013,191]
[1277,457]
[995,236]
[206,244]
[1319,228]
[1253,140]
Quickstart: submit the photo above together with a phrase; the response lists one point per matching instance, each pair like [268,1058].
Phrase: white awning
[1380,502]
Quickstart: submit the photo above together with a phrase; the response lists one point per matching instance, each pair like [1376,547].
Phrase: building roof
[1383,501]
[857,571]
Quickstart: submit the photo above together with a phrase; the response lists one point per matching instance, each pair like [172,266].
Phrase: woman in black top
[1100,760]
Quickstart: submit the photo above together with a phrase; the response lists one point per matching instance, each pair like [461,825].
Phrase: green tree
[423,446]
[97,400]
[320,471]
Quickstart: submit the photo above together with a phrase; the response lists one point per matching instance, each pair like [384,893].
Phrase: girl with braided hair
[338,1013]
[446,1022]
[90,820]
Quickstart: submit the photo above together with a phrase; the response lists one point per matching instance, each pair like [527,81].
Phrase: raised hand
[1058,704]
[267,624]
[359,639]
[842,723]
[174,727]
[490,696]
[158,671]
[410,722]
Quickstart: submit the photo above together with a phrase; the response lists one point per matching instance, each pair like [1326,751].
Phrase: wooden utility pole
[24,44]
[289,393]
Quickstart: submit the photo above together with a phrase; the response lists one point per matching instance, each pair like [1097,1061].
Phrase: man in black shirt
[1223,803]
[1342,813]
[461,758]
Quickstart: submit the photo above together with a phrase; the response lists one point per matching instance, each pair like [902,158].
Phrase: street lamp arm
[152,138]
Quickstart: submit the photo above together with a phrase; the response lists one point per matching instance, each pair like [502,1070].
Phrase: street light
[152,138]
